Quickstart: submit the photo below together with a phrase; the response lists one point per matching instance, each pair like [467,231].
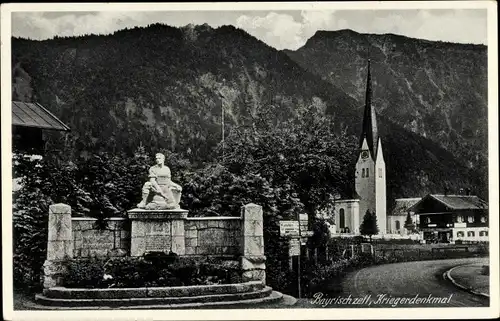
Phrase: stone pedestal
[157,231]
[59,245]
[253,259]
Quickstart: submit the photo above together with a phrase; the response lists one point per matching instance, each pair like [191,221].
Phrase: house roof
[456,202]
[35,115]
[403,205]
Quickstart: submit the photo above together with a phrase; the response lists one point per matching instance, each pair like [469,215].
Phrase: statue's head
[160,158]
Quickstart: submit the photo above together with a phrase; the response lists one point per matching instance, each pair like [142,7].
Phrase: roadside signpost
[297,232]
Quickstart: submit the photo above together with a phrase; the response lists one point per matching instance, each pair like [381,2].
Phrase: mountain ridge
[428,87]
[328,33]
[164,87]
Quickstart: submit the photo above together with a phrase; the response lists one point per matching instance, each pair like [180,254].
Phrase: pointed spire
[368,98]
[370,130]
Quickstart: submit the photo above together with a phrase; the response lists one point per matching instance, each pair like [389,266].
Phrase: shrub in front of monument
[85,273]
[133,272]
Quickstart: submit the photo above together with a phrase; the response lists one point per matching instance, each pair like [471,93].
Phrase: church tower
[370,181]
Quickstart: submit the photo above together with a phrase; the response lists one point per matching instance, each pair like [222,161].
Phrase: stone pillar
[252,243]
[59,245]
[157,231]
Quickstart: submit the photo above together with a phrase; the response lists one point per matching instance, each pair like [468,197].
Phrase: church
[439,218]
[370,177]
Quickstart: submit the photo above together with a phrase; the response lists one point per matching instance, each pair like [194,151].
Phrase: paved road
[402,280]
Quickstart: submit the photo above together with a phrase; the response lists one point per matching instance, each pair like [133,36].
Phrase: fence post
[59,245]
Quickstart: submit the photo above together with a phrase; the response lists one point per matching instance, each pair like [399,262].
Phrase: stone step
[152,292]
[163,301]
[274,300]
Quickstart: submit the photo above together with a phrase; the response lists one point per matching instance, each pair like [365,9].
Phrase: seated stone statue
[160,193]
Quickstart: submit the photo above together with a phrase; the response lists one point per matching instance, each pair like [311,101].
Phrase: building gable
[433,203]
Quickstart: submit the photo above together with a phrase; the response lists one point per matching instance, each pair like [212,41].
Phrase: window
[380,172]
[471,234]
[460,219]
[342,218]
[460,234]
[398,225]
[483,233]
[363,174]
[367,173]
[483,219]
[470,219]
[427,219]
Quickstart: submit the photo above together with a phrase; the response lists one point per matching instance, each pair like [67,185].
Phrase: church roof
[35,115]
[455,202]
[369,130]
[403,205]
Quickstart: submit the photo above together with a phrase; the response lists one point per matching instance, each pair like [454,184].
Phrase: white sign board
[306,233]
[289,228]
[303,220]
[294,247]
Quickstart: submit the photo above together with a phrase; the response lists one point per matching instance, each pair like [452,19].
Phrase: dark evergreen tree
[409,225]
[369,225]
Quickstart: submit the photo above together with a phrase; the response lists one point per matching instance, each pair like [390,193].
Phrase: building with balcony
[449,218]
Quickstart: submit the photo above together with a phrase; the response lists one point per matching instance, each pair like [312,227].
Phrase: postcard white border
[262,314]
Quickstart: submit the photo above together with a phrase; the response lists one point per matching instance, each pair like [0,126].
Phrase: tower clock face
[364,154]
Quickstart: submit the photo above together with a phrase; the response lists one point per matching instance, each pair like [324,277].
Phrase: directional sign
[289,228]
[306,233]
[303,221]
[294,247]
[303,217]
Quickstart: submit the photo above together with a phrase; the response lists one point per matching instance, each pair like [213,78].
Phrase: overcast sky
[279,29]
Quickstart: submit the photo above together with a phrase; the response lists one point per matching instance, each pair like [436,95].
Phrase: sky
[281,29]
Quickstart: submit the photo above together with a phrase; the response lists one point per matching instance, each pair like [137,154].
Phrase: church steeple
[370,130]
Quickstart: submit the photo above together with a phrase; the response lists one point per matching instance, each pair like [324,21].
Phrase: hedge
[133,272]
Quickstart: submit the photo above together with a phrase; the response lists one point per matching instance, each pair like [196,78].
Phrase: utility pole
[222,124]
[223,143]
[298,265]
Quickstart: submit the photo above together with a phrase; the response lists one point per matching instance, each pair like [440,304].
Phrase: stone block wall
[202,236]
[213,236]
[240,238]
[90,241]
